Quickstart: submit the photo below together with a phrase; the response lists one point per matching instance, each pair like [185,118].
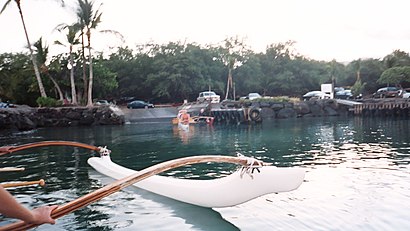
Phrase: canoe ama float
[226,191]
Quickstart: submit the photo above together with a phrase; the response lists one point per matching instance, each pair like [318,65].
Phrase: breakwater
[243,112]
[27,118]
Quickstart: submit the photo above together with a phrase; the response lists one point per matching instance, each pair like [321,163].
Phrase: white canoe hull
[222,192]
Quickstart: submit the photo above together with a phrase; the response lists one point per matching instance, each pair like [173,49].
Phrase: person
[185,117]
[9,207]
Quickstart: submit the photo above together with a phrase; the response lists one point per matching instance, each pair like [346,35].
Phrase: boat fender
[255,114]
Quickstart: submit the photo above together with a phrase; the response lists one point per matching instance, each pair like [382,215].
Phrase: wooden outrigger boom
[26,183]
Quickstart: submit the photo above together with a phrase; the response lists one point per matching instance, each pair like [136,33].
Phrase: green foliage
[48,102]
[176,71]
[397,58]
[371,70]
[105,80]
[17,82]
[358,87]
[395,76]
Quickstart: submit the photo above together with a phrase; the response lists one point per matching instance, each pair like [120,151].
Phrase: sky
[343,30]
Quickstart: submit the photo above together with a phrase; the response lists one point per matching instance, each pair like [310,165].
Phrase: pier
[395,107]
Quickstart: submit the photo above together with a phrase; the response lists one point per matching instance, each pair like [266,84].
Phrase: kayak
[196,120]
[227,191]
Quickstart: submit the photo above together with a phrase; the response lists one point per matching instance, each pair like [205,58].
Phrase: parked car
[386,92]
[139,104]
[102,103]
[208,96]
[315,95]
[406,93]
[125,100]
[336,89]
[4,105]
[344,94]
[252,96]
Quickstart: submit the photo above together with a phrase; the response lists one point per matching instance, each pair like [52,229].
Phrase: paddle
[134,178]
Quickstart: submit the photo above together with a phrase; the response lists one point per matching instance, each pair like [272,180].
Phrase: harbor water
[357,174]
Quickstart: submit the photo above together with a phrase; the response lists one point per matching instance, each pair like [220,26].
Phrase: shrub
[48,102]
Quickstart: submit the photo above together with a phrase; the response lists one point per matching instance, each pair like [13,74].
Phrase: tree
[395,76]
[33,58]
[177,72]
[397,58]
[358,87]
[398,69]
[42,52]
[88,19]
[132,71]
[357,66]
[335,70]
[284,72]
[107,79]
[364,73]
[72,40]
[233,53]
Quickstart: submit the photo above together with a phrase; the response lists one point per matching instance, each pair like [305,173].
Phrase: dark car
[344,94]
[139,104]
[386,92]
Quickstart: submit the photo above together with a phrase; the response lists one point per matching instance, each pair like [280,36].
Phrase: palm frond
[5,6]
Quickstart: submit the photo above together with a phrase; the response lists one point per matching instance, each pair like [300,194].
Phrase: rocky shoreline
[312,108]
[27,118]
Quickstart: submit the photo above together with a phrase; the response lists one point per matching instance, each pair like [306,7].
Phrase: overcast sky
[322,29]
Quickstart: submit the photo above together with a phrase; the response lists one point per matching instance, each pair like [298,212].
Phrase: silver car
[316,95]
[208,96]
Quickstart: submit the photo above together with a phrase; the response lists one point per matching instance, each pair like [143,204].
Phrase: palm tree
[33,58]
[72,39]
[357,67]
[88,19]
[42,52]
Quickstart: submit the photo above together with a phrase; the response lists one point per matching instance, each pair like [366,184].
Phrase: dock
[395,107]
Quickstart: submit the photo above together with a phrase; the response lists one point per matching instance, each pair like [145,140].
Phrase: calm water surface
[357,174]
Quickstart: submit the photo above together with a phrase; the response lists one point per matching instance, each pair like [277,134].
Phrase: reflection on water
[184,133]
[357,174]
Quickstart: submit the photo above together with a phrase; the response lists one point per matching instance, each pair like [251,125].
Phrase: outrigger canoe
[237,188]
[227,191]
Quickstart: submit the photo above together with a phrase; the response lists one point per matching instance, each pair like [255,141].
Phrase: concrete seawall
[149,114]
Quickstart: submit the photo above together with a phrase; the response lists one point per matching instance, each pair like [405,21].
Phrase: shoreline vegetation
[164,74]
